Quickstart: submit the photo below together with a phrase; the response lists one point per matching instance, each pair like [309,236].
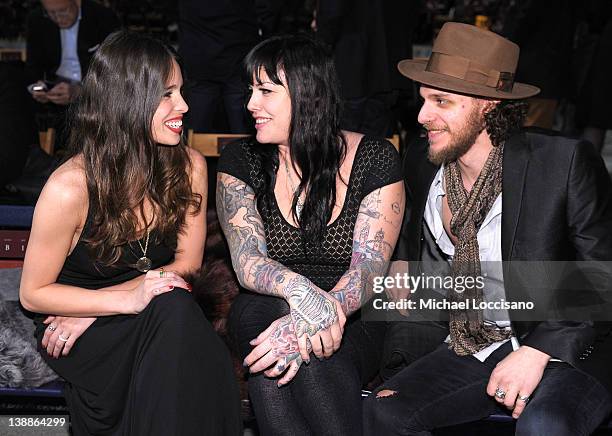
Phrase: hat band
[470,71]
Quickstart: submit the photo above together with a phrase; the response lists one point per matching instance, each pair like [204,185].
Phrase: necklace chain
[300,204]
[144,263]
[146,247]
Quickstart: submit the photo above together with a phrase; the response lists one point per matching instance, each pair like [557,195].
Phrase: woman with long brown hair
[116,228]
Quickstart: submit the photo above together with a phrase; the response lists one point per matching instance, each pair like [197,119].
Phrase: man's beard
[460,142]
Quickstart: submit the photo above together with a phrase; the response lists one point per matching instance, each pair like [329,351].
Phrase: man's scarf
[468,333]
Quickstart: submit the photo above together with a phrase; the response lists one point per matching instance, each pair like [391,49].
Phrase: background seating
[47,140]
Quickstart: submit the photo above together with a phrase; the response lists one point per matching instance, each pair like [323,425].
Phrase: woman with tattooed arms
[311,214]
[115,230]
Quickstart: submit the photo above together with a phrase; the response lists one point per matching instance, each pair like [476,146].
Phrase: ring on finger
[63,339]
[500,393]
[524,398]
[162,273]
[52,327]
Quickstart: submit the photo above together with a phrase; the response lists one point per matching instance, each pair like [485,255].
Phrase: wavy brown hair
[111,128]
[504,119]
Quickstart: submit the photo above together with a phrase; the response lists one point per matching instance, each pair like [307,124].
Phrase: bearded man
[481,191]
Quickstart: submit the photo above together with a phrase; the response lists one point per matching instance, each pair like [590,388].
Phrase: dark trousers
[369,115]
[324,398]
[161,372]
[443,389]
[204,98]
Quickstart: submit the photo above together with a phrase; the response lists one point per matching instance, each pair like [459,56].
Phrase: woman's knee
[176,305]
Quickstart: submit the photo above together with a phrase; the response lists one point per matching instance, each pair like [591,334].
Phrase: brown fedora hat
[470,60]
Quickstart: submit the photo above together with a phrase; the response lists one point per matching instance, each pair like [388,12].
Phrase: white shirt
[489,244]
[70,67]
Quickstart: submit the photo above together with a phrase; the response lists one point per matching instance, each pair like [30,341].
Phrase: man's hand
[63,93]
[39,96]
[516,377]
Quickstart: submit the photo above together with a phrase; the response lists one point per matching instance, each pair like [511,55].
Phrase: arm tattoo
[267,276]
[374,238]
[246,237]
[240,223]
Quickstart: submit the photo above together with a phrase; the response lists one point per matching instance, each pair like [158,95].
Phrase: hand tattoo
[284,344]
[310,310]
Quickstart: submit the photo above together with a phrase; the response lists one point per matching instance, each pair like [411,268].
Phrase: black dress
[161,372]
[324,397]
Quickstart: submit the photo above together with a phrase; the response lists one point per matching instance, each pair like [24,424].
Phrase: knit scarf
[468,333]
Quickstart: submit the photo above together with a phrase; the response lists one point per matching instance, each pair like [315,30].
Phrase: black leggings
[325,395]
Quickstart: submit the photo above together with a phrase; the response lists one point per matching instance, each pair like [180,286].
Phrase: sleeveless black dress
[324,397]
[161,372]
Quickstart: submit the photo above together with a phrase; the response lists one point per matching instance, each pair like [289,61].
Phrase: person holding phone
[115,230]
[61,39]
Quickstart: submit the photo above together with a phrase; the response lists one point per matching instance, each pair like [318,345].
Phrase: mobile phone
[37,87]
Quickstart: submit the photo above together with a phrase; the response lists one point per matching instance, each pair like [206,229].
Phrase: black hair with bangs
[317,146]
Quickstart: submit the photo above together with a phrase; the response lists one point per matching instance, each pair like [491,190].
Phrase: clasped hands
[315,323]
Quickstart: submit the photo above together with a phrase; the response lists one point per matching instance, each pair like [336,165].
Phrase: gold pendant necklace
[144,263]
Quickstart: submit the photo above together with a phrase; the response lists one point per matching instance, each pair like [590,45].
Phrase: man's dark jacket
[556,206]
[44,46]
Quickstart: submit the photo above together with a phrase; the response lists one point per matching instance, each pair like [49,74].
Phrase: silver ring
[524,398]
[63,339]
[51,328]
[500,393]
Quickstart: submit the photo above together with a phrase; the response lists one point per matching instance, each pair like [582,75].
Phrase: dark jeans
[443,389]
[325,395]
[204,98]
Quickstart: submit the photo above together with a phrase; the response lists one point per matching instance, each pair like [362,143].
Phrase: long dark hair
[111,128]
[317,145]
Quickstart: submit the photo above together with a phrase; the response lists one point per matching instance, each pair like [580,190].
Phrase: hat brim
[415,70]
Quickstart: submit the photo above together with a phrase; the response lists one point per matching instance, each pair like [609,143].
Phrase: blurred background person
[368,39]
[214,37]
[544,29]
[61,39]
